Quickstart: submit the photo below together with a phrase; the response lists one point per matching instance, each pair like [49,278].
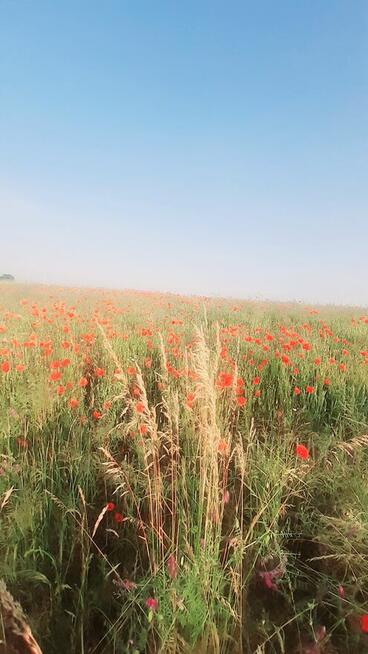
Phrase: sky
[216,148]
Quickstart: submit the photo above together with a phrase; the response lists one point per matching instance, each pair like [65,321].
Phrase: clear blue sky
[200,147]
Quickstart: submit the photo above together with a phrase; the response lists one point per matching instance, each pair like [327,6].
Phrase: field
[184,474]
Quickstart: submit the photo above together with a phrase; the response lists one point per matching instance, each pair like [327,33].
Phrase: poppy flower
[55,375]
[73,403]
[110,506]
[309,390]
[224,380]
[256,381]
[364,623]
[152,604]
[189,400]
[139,407]
[143,429]
[241,401]
[20,367]
[60,390]
[302,452]
[83,382]
[223,446]
[5,367]
[297,390]
[118,518]
[99,372]
[96,415]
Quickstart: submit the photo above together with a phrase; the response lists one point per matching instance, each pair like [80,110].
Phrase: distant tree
[6,277]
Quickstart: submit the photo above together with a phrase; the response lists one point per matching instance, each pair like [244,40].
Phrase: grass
[154,493]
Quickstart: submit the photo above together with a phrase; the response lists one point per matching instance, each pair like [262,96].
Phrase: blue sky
[199,147]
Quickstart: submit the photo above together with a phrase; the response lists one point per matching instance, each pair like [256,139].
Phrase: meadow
[184,474]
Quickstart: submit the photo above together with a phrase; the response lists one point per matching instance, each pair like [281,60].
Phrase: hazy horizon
[201,150]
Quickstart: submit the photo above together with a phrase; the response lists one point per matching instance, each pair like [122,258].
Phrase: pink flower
[128,585]
[152,604]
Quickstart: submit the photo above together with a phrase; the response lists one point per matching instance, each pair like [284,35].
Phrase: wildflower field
[184,474]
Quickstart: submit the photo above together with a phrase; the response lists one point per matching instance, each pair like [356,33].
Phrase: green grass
[227,540]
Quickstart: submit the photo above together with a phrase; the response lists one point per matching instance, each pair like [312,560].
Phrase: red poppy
[224,380]
[190,400]
[364,623]
[20,367]
[302,452]
[118,518]
[139,407]
[5,367]
[96,415]
[297,390]
[60,390]
[309,390]
[152,604]
[241,401]
[73,403]
[143,429]
[110,506]
[223,446]
[55,375]
[256,381]
[99,372]
[83,382]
